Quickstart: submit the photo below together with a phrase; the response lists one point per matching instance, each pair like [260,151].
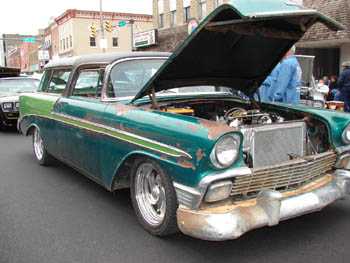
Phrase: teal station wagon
[196,157]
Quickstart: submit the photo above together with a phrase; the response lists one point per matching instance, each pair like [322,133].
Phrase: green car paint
[107,142]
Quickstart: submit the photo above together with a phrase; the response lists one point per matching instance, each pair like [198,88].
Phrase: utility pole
[131,22]
[101,26]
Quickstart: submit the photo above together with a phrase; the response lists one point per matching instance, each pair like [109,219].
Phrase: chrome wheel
[150,194]
[38,144]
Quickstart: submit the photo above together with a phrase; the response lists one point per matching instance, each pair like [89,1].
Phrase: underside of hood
[236,46]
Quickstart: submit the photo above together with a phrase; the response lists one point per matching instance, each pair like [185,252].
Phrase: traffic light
[108,26]
[93,31]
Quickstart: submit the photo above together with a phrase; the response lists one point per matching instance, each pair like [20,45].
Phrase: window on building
[202,10]
[187,14]
[67,42]
[64,43]
[115,42]
[173,18]
[161,21]
[218,2]
[70,41]
[92,42]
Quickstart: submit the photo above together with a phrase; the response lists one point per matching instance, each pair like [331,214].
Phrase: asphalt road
[54,214]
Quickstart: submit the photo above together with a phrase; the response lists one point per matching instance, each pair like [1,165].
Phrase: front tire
[153,197]
[42,156]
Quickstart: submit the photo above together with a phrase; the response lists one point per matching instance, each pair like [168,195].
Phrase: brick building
[170,18]
[11,49]
[74,36]
[330,48]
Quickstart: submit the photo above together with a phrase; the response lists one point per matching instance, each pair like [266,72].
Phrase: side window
[89,83]
[58,81]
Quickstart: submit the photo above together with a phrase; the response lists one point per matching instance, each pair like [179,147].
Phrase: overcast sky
[27,16]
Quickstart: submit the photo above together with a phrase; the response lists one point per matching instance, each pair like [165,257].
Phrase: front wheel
[42,156]
[153,197]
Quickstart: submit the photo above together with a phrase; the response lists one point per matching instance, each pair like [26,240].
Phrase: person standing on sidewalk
[344,85]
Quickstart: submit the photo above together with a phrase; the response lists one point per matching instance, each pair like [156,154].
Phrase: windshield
[127,78]
[13,86]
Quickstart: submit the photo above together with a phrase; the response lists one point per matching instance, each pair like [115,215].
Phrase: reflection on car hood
[237,45]
[13,98]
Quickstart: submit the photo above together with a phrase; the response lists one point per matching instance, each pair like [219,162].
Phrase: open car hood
[236,46]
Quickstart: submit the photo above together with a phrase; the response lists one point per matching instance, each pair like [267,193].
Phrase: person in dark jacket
[344,85]
[333,93]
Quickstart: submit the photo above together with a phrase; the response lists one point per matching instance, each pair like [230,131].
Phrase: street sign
[121,23]
[29,39]
[43,55]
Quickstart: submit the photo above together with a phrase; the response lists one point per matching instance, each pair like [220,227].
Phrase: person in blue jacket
[268,84]
[289,80]
[344,85]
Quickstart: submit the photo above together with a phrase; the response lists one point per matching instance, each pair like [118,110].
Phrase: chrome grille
[285,176]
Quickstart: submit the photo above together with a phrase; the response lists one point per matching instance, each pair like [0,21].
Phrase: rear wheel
[42,156]
[153,197]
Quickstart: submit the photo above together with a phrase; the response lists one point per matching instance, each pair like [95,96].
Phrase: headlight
[225,151]
[17,105]
[7,105]
[346,134]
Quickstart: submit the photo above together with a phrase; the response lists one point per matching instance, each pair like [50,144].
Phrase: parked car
[310,95]
[10,89]
[195,157]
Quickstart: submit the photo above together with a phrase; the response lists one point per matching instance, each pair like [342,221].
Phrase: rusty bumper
[268,209]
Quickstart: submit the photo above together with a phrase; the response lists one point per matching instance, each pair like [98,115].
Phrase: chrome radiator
[274,143]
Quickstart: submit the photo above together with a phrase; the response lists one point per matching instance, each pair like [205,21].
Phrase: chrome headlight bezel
[226,150]
[7,105]
[346,134]
[17,105]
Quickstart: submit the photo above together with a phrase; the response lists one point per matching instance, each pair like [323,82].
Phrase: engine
[236,117]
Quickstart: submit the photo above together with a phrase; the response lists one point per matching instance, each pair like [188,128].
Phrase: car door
[82,112]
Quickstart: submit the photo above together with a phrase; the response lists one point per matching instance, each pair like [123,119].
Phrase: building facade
[329,48]
[11,49]
[170,18]
[75,36]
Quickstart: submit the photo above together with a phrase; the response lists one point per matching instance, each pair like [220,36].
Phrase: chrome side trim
[191,197]
[181,153]
[269,209]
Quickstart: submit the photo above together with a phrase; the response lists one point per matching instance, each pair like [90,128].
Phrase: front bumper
[9,118]
[270,207]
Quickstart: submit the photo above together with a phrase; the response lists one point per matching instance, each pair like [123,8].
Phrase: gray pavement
[54,214]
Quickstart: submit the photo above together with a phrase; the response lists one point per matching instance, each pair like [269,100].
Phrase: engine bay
[273,122]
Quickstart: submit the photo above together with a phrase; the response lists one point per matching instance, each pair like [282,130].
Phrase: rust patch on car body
[186,164]
[158,116]
[178,145]
[179,124]
[215,129]
[123,109]
[139,116]
[163,157]
[200,155]
[91,117]
[193,127]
